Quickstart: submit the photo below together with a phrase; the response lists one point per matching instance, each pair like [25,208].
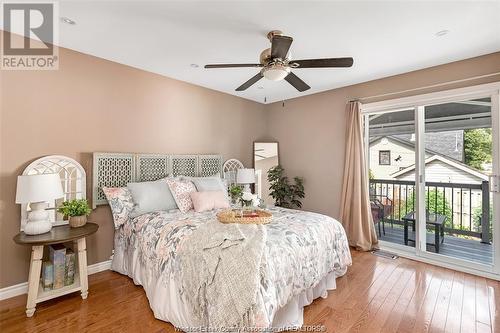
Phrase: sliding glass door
[391,148]
[433,165]
[458,163]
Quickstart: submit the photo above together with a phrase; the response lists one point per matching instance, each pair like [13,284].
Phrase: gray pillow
[213,183]
[151,197]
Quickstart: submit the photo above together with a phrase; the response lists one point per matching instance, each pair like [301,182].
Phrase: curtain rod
[359,99]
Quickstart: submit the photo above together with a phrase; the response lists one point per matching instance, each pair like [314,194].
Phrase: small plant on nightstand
[235,192]
[77,211]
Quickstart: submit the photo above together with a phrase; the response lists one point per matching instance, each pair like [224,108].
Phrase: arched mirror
[265,157]
[72,177]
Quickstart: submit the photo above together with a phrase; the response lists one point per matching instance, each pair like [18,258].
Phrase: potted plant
[235,192]
[77,211]
[285,194]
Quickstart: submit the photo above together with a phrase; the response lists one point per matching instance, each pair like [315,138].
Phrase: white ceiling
[384,38]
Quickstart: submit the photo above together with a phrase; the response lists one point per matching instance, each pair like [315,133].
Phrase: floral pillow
[121,203]
[181,190]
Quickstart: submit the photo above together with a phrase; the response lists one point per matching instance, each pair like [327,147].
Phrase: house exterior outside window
[384,157]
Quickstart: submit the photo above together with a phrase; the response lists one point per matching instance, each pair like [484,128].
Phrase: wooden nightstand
[59,234]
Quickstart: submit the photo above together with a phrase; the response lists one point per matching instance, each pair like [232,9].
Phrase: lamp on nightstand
[37,190]
[245,177]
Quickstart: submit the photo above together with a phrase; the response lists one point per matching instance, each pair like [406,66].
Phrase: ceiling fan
[277,65]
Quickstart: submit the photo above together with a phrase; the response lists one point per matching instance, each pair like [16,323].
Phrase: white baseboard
[22,288]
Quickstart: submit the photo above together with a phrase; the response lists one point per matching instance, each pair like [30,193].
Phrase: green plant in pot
[235,192]
[284,193]
[77,211]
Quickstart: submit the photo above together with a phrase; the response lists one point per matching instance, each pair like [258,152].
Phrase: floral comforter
[301,249]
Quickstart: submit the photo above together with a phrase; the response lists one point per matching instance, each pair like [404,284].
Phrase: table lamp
[245,177]
[37,190]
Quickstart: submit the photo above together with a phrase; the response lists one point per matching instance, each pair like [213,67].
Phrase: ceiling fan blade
[295,81]
[280,46]
[318,63]
[247,84]
[232,65]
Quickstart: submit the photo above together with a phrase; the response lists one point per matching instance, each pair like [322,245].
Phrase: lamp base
[37,228]
[38,219]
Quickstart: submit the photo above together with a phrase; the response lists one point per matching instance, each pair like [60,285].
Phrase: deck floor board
[468,249]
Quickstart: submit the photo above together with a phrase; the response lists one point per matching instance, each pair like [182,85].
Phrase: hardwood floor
[376,295]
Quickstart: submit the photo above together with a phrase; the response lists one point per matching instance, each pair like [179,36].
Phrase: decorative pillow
[180,190]
[151,197]
[121,203]
[213,183]
[209,200]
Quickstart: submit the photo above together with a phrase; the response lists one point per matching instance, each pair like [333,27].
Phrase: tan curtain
[355,210]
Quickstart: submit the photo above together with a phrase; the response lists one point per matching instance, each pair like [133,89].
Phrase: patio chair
[382,207]
[377,214]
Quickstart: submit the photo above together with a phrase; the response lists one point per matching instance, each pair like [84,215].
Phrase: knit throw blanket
[220,273]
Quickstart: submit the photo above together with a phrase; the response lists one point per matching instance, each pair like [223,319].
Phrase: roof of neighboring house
[449,161]
[449,143]
[404,142]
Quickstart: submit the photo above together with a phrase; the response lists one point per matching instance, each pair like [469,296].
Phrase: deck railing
[467,206]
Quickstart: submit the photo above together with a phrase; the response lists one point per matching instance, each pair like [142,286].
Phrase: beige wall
[90,105]
[314,149]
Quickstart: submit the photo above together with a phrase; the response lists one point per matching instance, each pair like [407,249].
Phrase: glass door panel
[390,139]
[458,161]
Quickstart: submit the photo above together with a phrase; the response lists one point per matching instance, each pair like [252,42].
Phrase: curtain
[355,210]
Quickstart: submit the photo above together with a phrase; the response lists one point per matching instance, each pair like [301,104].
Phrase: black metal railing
[467,206]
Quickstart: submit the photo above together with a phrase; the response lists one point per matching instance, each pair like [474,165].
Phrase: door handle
[494,183]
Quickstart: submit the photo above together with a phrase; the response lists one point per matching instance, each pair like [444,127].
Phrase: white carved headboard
[118,169]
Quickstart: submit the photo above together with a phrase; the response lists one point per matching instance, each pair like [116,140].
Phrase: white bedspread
[303,255]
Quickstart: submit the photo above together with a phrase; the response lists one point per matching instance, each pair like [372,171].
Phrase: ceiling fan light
[276,72]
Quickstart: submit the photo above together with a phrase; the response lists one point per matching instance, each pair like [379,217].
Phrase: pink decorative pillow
[209,200]
[180,191]
[121,203]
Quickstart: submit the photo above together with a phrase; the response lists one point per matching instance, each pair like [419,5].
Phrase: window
[384,157]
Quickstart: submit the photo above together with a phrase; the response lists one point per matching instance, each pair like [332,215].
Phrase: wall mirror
[265,156]
[72,179]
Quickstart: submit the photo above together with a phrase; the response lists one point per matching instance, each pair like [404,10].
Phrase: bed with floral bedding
[303,254]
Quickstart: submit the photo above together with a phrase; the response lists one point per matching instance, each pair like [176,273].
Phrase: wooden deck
[456,247]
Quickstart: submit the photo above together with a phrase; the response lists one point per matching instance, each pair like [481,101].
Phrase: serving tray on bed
[235,216]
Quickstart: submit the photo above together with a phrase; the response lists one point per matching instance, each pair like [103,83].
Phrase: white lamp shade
[245,176]
[36,188]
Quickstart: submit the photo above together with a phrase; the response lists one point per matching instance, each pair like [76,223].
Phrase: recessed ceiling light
[67,20]
[442,33]
[194,65]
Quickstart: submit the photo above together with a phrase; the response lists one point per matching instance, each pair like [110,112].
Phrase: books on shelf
[47,275]
[69,273]
[59,270]
[57,254]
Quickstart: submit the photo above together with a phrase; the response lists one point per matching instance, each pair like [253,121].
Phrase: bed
[296,259]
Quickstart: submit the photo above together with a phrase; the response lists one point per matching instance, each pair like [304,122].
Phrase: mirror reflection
[265,157]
